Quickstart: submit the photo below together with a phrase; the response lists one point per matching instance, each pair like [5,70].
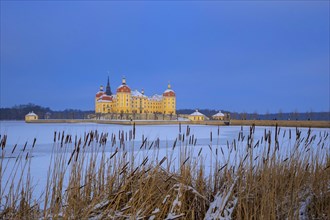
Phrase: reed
[105,176]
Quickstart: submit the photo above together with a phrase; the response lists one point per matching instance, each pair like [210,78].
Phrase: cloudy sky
[237,56]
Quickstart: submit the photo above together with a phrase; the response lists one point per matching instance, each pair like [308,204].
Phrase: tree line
[18,112]
[294,115]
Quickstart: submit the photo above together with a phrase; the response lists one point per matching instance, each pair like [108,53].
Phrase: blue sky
[237,56]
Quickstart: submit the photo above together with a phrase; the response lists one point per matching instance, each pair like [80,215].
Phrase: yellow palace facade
[127,101]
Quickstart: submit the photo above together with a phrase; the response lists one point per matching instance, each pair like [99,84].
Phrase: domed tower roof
[169,92]
[123,87]
[100,93]
[105,98]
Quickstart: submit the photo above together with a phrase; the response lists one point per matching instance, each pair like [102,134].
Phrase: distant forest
[314,116]
[19,112]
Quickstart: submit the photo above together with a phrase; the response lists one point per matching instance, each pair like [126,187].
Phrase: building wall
[124,102]
[30,118]
[104,107]
[169,105]
[154,106]
[196,118]
[218,118]
[134,116]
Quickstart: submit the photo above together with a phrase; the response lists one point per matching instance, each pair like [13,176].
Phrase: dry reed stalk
[255,181]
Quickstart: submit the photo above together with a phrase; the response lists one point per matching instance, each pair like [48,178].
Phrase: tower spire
[124,80]
[108,89]
[169,85]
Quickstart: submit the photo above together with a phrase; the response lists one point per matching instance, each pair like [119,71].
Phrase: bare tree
[296,114]
[310,115]
[243,116]
[280,114]
[267,114]
[255,115]
[227,116]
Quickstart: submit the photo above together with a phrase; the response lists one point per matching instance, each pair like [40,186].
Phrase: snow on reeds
[282,175]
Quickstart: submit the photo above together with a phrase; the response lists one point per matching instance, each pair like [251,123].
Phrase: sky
[240,56]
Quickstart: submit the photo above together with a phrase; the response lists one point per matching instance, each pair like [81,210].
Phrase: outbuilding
[197,116]
[31,116]
[219,116]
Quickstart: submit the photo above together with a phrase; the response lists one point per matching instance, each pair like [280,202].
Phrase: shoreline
[280,123]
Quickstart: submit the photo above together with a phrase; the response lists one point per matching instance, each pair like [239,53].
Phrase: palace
[135,102]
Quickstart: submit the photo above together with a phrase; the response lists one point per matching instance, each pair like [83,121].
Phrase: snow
[168,90]
[304,208]
[219,114]
[137,93]
[156,97]
[31,114]
[100,205]
[171,216]
[152,217]
[183,119]
[197,113]
[189,188]
[155,211]
[124,85]
[222,204]
[100,100]
[165,199]
[105,96]
[176,205]
[20,132]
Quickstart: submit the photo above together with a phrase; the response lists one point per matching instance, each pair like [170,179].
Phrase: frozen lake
[19,132]
[219,149]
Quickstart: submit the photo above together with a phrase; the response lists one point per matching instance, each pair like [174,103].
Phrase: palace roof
[99,94]
[169,92]
[105,98]
[123,88]
[197,113]
[137,94]
[156,97]
[31,114]
[219,114]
